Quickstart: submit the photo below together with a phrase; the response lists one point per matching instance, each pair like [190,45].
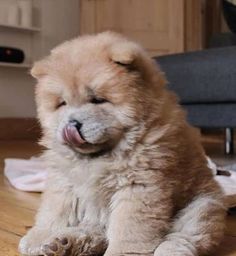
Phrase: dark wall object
[11,55]
[229,11]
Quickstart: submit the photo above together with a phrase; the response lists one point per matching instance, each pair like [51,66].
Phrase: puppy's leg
[53,213]
[197,229]
[138,221]
[52,234]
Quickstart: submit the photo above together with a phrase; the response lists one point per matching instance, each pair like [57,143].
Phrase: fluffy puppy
[127,174]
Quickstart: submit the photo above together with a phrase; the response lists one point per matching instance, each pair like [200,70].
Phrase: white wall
[59,21]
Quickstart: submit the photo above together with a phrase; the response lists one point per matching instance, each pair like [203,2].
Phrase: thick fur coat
[127,173]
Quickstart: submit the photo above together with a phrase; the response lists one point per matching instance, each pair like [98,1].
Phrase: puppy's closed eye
[60,104]
[127,66]
[96,100]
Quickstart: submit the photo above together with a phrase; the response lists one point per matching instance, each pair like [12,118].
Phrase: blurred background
[36,26]
[194,41]
[180,34]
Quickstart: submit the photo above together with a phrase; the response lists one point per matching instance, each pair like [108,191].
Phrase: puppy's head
[92,91]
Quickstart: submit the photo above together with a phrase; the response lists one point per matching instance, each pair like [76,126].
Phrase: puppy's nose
[76,124]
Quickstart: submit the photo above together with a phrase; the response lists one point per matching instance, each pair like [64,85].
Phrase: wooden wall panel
[176,25]
[87,17]
[157,24]
[194,24]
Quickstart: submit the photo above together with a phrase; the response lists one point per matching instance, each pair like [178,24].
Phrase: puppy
[127,173]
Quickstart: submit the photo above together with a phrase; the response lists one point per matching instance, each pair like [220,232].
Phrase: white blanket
[26,174]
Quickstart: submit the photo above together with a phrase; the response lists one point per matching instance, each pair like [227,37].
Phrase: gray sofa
[205,82]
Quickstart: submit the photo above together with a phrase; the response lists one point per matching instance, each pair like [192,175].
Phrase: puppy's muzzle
[72,134]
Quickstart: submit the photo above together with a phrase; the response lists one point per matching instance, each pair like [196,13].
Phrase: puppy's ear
[125,54]
[40,69]
[134,58]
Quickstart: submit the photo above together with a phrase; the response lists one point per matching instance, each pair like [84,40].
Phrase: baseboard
[19,129]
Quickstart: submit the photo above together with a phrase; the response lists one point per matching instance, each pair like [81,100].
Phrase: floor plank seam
[10,232]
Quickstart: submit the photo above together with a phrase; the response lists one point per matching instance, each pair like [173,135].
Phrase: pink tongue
[72,136]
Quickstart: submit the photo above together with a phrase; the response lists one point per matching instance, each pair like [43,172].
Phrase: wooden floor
[17,209]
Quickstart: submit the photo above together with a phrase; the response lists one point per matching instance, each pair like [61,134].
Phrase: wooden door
[157,24]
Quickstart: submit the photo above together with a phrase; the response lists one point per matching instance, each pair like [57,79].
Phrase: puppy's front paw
[67,242]
[175,248]
[69,245]
[31,243]
[58,247]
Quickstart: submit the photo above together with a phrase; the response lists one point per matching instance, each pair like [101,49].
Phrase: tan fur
[141,186]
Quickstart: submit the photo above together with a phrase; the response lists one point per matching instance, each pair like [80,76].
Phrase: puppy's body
[133,178]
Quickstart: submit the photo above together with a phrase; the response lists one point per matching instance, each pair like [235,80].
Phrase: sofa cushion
[211,115]
[207,76]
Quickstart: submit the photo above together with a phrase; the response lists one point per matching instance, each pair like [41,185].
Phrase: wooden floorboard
[17,209]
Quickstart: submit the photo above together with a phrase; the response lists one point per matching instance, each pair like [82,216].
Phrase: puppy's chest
[93,196]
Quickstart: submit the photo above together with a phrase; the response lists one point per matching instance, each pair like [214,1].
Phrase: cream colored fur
[141,186]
